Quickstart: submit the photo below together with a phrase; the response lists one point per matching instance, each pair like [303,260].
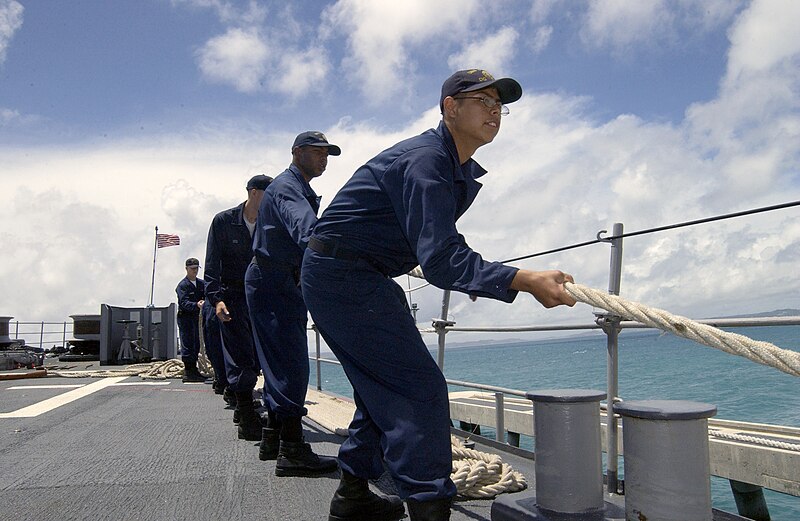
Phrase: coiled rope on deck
[172,368]
[480,475]
[758,351]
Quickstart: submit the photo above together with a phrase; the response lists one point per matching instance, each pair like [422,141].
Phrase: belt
[266,264]
[233,284]
[337,250]
[333,249]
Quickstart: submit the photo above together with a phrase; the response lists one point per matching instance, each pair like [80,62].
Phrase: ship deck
[128,448]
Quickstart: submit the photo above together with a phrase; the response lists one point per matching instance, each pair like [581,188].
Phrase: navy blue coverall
[286,218]
[188,316]
[396,212]
[228,252]
[212,337]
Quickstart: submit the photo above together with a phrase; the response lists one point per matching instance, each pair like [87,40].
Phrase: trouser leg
[190,337]
[364,319]
[237,344]
[213,341]
[279,319]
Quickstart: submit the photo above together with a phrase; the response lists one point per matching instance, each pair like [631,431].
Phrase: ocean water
[652,365]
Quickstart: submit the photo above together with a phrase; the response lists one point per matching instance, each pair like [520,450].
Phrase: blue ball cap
[470,80]
[259,182]
[314,138]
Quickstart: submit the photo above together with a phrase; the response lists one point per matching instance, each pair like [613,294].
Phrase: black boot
[190,372]
[436,510]
[218,386]
[354,501]
[297,459]
[270,442]
[229,396]
[249,421]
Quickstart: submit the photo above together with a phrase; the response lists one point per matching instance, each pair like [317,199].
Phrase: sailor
[286,218]
[228,252]
[190,291]
[398,211]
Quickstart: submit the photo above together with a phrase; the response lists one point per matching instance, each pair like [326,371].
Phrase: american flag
[165,240]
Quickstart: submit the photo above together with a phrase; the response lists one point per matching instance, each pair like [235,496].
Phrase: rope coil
[764,353]
[478,475]
[172,368]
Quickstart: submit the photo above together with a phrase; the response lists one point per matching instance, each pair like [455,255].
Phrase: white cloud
[764,37]
[238,57]
[541,38]
[492,53]
[541,9]
[10,21]
[751,126]
[256,54]
[301,72]
[381,35]
[252,13]
[618,24]
[625,27]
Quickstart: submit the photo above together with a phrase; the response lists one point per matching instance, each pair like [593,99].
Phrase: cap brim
[508,89]
[332,149]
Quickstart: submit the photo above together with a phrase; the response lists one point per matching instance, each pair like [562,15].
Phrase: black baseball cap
[314,138]
[470,80]
[192,262]
[259,182]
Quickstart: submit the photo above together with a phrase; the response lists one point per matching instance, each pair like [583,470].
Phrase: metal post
[64,337]
[499,417]
[319,364]
[666,459]
[41,336]
[612,369]
[750,501]
[441,328]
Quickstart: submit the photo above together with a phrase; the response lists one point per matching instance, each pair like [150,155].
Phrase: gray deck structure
[150,450]
[124,448]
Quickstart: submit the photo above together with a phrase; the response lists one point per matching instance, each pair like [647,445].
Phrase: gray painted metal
[569,474]
[666,460]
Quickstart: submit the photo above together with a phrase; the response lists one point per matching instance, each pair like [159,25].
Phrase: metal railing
[49,334]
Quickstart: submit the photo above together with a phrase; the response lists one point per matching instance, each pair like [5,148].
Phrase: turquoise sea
[652,365]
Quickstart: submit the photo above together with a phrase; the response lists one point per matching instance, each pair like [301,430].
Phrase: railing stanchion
[610,325]
[499,417]
[41,336]
[441,328]
[319,364]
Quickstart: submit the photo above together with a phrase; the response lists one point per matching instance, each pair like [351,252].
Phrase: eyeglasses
[489,103]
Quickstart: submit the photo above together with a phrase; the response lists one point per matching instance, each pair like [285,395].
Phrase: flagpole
[153,280]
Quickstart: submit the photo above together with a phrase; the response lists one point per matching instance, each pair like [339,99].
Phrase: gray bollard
[569,473]
[5,339]
[568,465]
[666,459]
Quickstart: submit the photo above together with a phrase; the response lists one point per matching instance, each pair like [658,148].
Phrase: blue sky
[91,68]
[116,117]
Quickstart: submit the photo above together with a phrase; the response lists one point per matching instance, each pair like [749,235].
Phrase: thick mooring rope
[762,352]
[172,368]
[481,475]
